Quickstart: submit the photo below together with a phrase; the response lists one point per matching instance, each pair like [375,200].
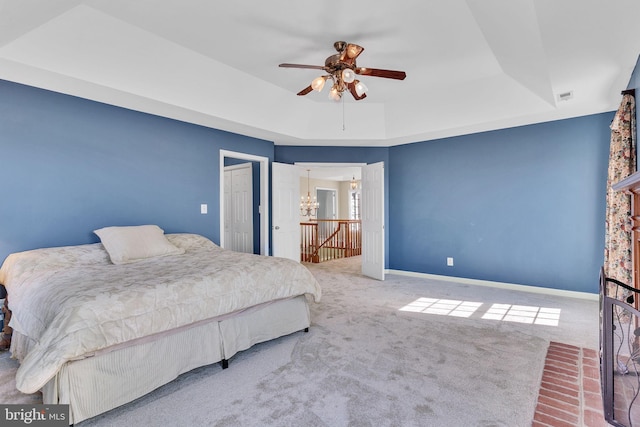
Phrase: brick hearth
[569,393]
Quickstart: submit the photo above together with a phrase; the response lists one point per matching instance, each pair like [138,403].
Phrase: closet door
[238,208]
[242,209]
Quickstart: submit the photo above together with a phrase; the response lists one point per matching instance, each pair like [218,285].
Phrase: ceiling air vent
[565,96]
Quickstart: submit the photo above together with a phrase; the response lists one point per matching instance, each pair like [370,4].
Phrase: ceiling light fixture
[306,206]
[361,89]
[348,75]
[335,93]
[318,83]
[343,79]
[341,68]
[342,72]
[354,183]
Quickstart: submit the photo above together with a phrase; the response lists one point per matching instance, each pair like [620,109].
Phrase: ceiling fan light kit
[348,75]
[342,70]
[318,83]
[361,88]
[335,94]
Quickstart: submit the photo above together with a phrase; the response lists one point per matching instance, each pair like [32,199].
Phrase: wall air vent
[565,96]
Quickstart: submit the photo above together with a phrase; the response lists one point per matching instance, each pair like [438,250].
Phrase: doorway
[262,163]
[331,185]
[240,210]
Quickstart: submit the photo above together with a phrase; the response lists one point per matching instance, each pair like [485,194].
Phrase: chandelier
[354,183]
[308,205]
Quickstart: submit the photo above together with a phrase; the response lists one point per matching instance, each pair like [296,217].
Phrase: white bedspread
[72,301]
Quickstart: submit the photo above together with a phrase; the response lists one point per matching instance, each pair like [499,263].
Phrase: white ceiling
[472,65]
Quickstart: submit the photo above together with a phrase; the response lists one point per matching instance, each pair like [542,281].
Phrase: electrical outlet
[450,261]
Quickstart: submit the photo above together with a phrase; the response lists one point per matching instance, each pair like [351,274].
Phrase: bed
[99,325]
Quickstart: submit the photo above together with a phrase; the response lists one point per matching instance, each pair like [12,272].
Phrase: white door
[372,216]
[263,206]
[286,210]
[242,202]
[238,208]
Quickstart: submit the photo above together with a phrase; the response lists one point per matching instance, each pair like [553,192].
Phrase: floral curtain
[622,163]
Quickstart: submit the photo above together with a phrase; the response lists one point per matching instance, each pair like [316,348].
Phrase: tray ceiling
[472,65]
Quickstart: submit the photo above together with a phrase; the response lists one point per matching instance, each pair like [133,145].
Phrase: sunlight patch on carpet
[443,307]
[524,314]
[502,312]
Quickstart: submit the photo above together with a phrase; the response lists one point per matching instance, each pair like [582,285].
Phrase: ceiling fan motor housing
[333,63]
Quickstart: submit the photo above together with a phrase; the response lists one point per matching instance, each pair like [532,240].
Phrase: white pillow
[135,243]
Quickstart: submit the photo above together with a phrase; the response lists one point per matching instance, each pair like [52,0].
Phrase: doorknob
[277,227]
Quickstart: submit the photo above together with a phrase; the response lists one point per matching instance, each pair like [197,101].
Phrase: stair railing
[323,240]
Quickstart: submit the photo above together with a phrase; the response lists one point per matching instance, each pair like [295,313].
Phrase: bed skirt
[97,384]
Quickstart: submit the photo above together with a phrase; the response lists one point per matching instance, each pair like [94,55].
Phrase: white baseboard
[511,286]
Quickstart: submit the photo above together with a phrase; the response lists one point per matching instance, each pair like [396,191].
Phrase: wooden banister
[323,240]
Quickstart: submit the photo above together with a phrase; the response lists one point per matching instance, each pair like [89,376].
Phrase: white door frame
[264,196]
[311,165]
[230,222]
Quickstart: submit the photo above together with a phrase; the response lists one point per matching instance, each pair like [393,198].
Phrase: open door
[286,210]
[373,220]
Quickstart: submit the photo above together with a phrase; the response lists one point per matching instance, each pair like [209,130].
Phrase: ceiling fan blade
[376,72]
[352,88]
[314,67]
[305,91]
[350,53]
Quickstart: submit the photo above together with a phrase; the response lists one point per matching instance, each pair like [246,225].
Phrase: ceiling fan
[341,68]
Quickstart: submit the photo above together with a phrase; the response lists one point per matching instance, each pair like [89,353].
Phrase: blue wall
[71,165]
[522,205]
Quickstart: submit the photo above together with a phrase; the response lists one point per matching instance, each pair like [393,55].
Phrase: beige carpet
[376,355]
[8,392]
